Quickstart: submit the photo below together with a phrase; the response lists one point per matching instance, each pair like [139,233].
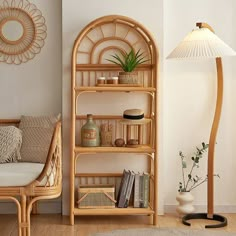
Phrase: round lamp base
[221,219]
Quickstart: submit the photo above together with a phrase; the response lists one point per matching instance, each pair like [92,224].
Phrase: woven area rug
[166,232]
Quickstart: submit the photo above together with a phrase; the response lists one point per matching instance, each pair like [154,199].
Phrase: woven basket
[128,78]
[96,196]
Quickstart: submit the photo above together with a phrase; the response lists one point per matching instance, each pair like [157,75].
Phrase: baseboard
[203,208]
[44,207]
[55,207]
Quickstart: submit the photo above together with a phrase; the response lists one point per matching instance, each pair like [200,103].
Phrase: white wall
[189,100]
[76,15]
[187,88]
[187,96]
[34,88]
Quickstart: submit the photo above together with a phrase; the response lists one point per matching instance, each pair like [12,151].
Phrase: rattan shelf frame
[86,65]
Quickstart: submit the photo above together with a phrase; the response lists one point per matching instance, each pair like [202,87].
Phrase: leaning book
[146,187]
[123,188]
[129,188]
[136,190]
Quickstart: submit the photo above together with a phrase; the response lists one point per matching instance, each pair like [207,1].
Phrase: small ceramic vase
[90,134]
[185,200]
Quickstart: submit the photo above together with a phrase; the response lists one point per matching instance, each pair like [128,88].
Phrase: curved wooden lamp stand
[210,184]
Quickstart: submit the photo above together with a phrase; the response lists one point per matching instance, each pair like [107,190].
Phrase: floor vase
[185,200]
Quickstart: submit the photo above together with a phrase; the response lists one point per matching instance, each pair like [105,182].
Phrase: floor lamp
[203,43]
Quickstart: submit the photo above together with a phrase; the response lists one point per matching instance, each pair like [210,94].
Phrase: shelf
[114,89]
[98,174]
[108,67]
[135,122]
[114,211]
[108,117]
[119,85]
[142,149]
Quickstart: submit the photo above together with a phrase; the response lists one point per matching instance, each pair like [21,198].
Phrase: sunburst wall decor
[22,31]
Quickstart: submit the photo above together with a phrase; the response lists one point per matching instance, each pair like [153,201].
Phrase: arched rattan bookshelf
[94,44]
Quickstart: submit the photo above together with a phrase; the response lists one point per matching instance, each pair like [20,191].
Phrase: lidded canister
[112,80]
[101,80]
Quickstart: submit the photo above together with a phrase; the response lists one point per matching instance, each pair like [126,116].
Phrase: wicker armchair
[25,196]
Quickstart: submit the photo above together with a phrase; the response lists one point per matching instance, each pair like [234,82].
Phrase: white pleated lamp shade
[201,43]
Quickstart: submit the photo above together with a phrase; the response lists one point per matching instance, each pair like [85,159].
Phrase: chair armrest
[53,162]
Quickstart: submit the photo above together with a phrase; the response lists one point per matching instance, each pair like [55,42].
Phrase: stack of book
[136,184]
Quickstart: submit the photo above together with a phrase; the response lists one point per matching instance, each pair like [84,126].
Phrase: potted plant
[190,180]
[128,61]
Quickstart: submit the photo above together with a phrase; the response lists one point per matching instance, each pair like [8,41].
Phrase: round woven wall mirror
[22,31]
[12,31]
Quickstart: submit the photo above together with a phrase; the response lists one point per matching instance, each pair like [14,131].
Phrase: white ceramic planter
[185,200]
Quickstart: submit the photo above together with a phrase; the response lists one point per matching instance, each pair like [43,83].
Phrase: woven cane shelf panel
[22,31]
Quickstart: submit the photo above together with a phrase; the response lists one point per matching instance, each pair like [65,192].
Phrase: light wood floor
[57,225]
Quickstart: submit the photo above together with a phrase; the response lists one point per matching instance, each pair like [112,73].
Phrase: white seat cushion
[21,174]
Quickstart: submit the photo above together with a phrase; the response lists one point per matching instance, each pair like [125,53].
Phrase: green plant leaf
[128,61]
[181,154]
[190,177]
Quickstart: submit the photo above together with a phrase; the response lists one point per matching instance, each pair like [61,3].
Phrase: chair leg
[28,212]
[30,206]
[19,218]
[15,200]
[34,206]
[24,224]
